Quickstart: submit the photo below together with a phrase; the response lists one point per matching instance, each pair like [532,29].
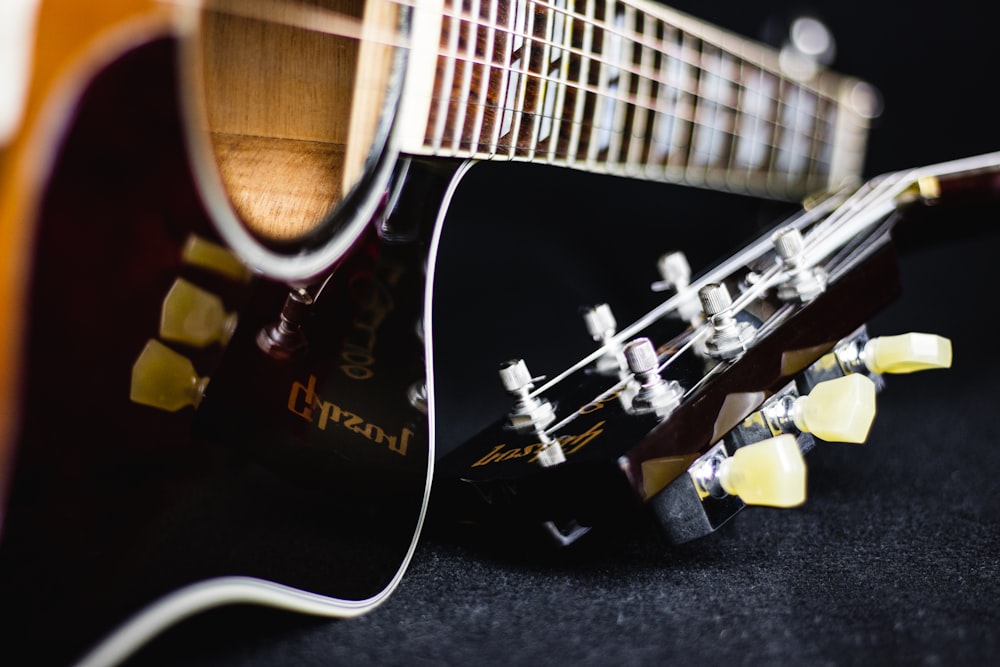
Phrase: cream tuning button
[194,316]
[164,379]
[840,410]
[771,472]
[214,257]
[906,353]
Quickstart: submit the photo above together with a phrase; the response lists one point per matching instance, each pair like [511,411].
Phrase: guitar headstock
[690,410]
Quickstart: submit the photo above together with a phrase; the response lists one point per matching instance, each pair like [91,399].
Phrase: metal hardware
[529,412]
[676,273]
[804,283]
[285,339]
[730,338]
[654,394]
[602,327]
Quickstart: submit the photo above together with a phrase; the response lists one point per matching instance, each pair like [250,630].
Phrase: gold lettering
[489,458]
[307,403]
[328,412]
[578,442]
[570,444]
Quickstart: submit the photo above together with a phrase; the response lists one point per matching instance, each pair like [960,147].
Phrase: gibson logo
[375,303]
[306,403]
[571,444]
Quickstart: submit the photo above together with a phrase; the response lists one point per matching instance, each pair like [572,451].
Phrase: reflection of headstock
[690,410]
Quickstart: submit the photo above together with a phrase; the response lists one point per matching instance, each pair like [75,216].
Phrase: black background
[895,558]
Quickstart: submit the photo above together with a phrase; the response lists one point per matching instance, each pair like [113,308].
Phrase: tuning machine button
[654,394]
[195,316]
[839,410]
[771,472]
[165,379]
[729,338]
[214,257]
[904,353]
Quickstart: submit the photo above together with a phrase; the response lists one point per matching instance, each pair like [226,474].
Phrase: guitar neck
[627,88]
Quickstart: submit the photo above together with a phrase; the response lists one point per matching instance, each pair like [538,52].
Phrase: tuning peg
[214,257]
[601,323]
[653,393]
[164,379]
[804,282]
[906,353]
[195,316]
[729,338]
[602,327]
[675,271]
[839,410]
[529,411]
[771,472]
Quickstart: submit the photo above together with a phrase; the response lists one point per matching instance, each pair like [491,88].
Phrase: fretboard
[627,88]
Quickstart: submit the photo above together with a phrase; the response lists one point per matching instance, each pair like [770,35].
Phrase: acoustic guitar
[218,227]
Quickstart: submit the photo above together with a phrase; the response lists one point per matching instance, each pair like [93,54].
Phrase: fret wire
[683,133]
[504,76]
[542,85]
[688,117]
[475,138]
[641,130]
[473,38]
[624,84]
[608,29]
[448,81]
[631,99]
[738,138]
[579,95]
[617,97]
[522,90]
[555,133]
[661,116]
[600,97]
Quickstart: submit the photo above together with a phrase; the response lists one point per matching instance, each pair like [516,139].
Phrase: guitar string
[335,23]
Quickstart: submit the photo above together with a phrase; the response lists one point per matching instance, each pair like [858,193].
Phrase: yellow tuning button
[194,316]
[840,410]
[214,257]
[771,472]
[162,378]
[906,353]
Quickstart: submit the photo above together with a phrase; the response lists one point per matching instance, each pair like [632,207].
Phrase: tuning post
[676,274]
[804,283]
[729,337]
[529,411]
[654,394]
[285,338]
[602,327]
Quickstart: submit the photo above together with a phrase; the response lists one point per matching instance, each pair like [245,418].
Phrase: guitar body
[299,483]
